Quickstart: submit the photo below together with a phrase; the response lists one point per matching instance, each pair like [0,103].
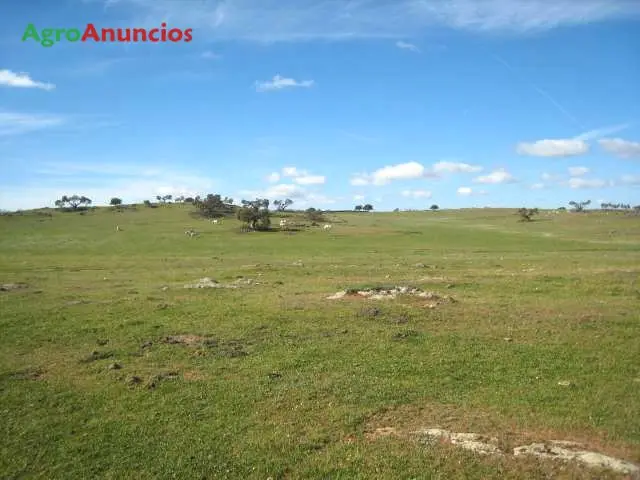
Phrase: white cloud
[407,46]
[402,171]
[291,172]
[621,148]
[273,177]
[548,177]
[280,82]
[285,190]
[495,177]
[578,171]
[630,179]
[600,132]
[302,177]
[209,55]
[21,80]
[360,180]
[310,180]
[465,191]
[17,123]
[537,186]
[455,167]
[577,183]
[358,197]
[553,148]
[416,193]
[566,147]
[299,20]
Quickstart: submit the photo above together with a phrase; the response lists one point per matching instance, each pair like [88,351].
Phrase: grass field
[272,380]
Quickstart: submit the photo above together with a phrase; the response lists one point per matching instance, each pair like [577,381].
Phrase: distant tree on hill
[434,207]
[188,200]
[526,214]
[282,205]
[255,213]
[115,201]
[314,215]
[358,208]
[367,208]
[579,206]
[396,210]
[74,202]
[214,206]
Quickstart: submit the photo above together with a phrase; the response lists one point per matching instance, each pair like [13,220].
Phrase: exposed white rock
[561,451]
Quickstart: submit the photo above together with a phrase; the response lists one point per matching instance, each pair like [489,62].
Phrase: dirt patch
[489,445]
[230,348]
[191,340]
[26,374]
[9,287]
[192,376]
[155,380]
[384,293]
[207,282]
[382,432]
[96,355]
[511,433]
[572,451]
[405,334]
[553,449]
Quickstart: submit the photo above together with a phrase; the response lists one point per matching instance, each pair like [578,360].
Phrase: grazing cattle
[214,221]
[118,228]
[191,233]
[283,224]
[327,227]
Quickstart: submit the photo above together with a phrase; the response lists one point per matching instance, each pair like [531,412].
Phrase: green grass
[316,376]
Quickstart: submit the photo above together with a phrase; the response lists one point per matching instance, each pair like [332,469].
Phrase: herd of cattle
[284,225]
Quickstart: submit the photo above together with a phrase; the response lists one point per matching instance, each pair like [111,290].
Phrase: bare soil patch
[9,287]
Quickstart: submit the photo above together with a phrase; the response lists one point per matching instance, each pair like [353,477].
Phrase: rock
[468,441]
[7,287]
[337,295]
[134,380]
[561,451]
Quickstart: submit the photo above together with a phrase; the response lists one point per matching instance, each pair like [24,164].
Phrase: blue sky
[398,103]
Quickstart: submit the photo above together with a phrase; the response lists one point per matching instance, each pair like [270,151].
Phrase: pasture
[111,368]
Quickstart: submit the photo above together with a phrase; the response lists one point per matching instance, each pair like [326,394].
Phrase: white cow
[191,233]
[327,227]
[118,228]
[283,223]
[214,221]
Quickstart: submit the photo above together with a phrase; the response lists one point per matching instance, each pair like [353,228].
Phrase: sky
[397,103]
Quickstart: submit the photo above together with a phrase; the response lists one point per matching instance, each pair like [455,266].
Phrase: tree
[255,213]
[147,203]
[189,200]
[579,206]
[213,206]
[115,201]
[434,207]
[526,214]
[368,207]
[159,198]
[73,202]
[314,215]
[358,208]
[282,205]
